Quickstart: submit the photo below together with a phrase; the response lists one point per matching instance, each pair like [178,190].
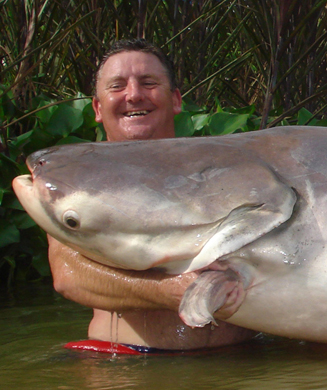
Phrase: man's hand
[92,284]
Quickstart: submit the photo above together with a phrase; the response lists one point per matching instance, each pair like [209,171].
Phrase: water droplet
[111,326]
[117,319]
[51,187]
[180,330]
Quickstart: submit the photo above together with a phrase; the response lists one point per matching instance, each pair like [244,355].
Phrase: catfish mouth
[22,181]
[24,189]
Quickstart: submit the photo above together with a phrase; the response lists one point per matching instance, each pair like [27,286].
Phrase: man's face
[135,100]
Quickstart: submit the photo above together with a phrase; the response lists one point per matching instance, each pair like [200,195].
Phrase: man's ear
[177,101]
[97,109]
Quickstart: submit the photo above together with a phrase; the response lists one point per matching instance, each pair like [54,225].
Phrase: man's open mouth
[136,113]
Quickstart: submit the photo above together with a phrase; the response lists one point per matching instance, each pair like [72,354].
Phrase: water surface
[35,323]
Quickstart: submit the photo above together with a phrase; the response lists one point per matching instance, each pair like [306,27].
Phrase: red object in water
[130,349]
[102,346]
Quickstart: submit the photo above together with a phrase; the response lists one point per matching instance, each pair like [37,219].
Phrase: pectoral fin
[259,214]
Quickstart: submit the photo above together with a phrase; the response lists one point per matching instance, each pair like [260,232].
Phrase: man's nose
[134,91]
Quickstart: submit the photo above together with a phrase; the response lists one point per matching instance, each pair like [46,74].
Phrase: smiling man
[136,99]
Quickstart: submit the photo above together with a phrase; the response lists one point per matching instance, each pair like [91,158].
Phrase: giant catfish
[248,212]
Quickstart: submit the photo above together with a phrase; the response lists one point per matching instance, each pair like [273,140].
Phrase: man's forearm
[94,285]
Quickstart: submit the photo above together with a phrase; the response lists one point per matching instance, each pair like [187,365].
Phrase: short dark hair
[138,45]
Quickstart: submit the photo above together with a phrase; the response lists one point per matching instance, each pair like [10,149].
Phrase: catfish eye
[71,219]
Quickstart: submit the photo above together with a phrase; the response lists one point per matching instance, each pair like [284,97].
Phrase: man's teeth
[136,113]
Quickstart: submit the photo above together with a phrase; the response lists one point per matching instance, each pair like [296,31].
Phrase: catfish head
[168,204]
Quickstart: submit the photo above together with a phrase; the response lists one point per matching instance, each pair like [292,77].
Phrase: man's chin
[139,133]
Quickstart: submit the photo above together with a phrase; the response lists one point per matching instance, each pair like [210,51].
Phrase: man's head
[136,95]
[143,46]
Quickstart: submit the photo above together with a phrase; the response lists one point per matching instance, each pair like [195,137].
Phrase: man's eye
[149,84]
[116,86]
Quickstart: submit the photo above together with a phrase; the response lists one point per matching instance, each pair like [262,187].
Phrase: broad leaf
[225,123]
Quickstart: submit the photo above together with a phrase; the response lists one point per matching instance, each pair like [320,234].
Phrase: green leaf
[9,234]
[199,121]
[322,123]
[22,139]
[81,102]
[10,201]
[9,169]
[184,124]
[45,114]
[7,108]
[41,264]
[22,220]
[189,105]
[40,139]
[89,116]
[243,110]
[100,133]
[225,123]
[71,140]
[65,120]
[304,117]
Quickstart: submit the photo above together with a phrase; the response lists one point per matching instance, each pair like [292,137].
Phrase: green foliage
[268,53]
[194,121]
[197,121]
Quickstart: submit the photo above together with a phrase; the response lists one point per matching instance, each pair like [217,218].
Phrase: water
[37,322]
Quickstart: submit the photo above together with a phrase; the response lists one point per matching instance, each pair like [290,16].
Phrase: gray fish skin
[246,211]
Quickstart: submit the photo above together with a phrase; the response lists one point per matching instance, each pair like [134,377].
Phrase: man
[136,99]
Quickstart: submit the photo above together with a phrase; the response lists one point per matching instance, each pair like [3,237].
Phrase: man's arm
[95,285]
